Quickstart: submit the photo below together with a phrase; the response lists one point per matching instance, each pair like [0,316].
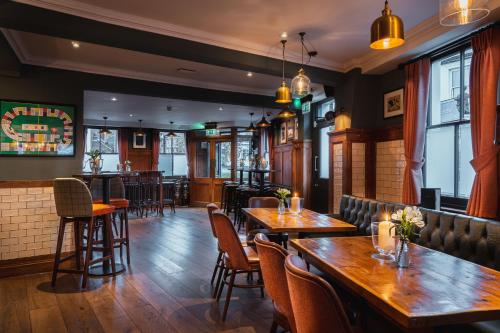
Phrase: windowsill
[453,210]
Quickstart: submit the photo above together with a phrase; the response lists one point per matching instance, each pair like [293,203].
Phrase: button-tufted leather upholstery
[470,238]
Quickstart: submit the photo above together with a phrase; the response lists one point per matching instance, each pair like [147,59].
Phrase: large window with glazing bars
[172,159]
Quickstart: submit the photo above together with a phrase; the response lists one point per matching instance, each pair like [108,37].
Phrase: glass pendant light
[459,12]
[283,95]
[301,84]
[140,132]
[286,113]
[263,123]
[387,31]
[171,133]
[105,131]
[251,128]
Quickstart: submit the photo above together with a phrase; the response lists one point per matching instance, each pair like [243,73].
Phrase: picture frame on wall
[139,141]
[290,129]
[37,129]
[394,103]
[283,132]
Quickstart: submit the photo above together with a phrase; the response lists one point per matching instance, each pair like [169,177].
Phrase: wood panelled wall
[341,170]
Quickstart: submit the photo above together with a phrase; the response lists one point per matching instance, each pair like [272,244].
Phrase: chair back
[272,263]
[229,242]
[316,306]
[263,202]
[72,197]
[116,188]
[211,207]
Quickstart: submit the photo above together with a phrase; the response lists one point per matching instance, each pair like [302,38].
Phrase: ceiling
[153,111]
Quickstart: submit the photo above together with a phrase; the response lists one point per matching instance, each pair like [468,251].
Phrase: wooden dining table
[437,289]
[306,222]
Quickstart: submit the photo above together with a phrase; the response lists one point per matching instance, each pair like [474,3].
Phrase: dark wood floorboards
[165,289]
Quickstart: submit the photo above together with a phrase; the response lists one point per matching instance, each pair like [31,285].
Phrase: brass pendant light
[387,31]
[171,133]
[263,123]
[105,131]
[301,84]
[460,12]
[286,113]
[251,128]
[283,95]
[140,132]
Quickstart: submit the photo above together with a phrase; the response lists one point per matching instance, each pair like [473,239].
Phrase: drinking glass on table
[383,239]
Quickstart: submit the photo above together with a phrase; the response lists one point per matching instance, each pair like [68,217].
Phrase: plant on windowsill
[95,160]
[282,194]
[405,221]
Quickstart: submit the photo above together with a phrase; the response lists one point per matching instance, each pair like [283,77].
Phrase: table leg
[249,178]
[241,176]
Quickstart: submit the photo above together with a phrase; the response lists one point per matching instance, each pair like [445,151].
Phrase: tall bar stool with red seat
[315,304]
[121,204]
[74,205]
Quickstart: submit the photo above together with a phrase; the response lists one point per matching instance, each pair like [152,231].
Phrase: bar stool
[121,204]
[229,198]
[74,205]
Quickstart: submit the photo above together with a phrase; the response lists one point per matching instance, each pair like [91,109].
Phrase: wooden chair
[316,306]
[252,228]
[169,194]
[272,262]
[74,205]
[237,259]
[219,264]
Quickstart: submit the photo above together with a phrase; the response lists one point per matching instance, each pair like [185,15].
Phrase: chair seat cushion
[116,202]
[102,209]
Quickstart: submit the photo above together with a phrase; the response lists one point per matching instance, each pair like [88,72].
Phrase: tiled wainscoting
[337,176]
[29,223]
[358,169]
[389,170]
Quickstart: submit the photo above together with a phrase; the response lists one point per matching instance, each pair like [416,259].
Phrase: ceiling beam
[28,18]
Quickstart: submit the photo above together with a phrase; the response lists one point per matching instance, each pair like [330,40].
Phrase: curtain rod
[450,46]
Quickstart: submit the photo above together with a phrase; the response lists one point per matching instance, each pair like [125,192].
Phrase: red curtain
[484,71]
[155,152]
[123,145]
[416,98]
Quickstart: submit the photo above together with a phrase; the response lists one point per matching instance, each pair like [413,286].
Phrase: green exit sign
[212,132]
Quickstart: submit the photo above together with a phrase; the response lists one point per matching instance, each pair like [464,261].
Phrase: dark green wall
[388,82]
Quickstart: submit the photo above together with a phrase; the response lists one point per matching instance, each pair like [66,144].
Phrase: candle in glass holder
[295,204]
[385,236]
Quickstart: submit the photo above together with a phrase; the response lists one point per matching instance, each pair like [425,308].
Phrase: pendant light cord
[283,65]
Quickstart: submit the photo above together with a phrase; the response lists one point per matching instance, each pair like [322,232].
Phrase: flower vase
[281,207]
[402,256]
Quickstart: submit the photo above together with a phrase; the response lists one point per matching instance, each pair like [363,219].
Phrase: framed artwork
[139,141]
[283,132]
[290,129]
[394,103]
[35,129]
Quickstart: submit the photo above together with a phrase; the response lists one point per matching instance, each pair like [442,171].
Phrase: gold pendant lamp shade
[387,31]
[459,12]
[286,113]
[283,94]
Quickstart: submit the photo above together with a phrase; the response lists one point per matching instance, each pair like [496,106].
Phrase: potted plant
[95,160]
[405,222]
[282,194]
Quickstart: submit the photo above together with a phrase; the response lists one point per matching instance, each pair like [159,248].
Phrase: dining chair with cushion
[315,304]
[252,226]
[238,259]
[272,262]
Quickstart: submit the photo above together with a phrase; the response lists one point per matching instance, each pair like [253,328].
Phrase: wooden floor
[165,289]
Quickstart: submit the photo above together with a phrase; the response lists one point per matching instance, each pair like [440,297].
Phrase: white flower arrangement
[282,193]
[406,220]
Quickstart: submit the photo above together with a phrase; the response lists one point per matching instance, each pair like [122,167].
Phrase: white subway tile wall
[390,167]
[358,169]
[29,223]
[337,176]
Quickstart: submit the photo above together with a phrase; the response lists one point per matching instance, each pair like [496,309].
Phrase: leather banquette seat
[470,238]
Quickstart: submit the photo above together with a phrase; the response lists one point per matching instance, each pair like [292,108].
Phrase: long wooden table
[307,222]
[437,289]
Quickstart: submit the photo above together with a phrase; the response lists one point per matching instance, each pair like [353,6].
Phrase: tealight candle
[385,236]
[295,204]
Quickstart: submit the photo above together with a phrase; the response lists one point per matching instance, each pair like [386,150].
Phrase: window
[106,144]
[172,159]
[223,159]
[202,159]
[325,107]
[324,153]
[448,138]
[243,150]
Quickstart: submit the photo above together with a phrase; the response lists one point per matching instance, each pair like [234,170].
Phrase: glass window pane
[465,171]
[223,159]
[202,159]
[324,154]
[467,61]
[445,84]
[172,158]
[243,151]
[180,165]
[165,164]
[440,157]
[325,107]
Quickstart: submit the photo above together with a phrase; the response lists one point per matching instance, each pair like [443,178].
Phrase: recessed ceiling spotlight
[249,74]
[114,99]
[131,115]
[284,35]
[75,44]
[221,108]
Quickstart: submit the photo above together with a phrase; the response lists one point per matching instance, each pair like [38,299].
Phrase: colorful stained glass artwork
[29,129]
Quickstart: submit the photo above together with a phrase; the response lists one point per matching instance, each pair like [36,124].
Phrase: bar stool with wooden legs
[121,205]
[74,205]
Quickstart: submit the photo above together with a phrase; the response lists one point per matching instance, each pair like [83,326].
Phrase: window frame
[172,154]
[100,139]
[455,201]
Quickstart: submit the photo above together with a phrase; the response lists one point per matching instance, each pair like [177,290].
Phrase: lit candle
[294,204]
[385,236]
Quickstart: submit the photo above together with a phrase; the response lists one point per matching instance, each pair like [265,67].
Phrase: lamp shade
[459,12]
[301,85]
[286,113]
[263,123]
[283,95]
[387,30]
